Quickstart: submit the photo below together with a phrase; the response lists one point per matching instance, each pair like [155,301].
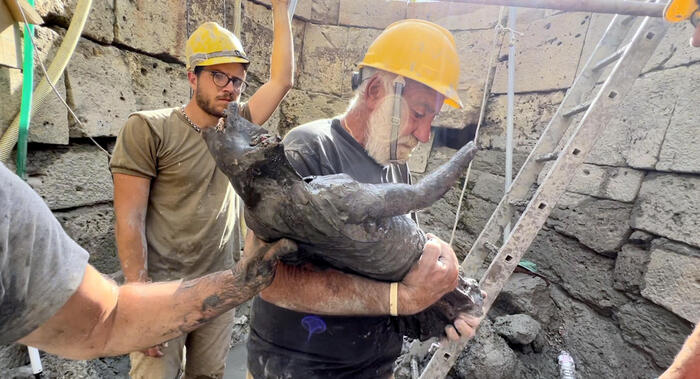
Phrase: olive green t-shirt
[192,219]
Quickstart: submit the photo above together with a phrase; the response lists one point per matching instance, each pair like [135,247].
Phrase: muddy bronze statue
[355,227]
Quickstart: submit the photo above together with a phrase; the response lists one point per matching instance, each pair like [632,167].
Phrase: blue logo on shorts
[314,325]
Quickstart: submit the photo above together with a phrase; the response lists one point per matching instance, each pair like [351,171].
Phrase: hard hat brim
[451,97]
[221,60]
[454,104]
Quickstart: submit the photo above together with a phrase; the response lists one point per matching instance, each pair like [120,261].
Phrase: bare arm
[266,99]
[130,204]
[103,319]
[687,362]
[332,292]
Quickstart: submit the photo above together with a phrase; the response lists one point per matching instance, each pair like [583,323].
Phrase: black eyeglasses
[221,80]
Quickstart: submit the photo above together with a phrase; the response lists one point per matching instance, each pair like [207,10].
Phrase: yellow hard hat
[418,50]
[211,44]
[679,10]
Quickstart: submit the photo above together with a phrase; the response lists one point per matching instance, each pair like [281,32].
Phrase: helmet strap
[356,79]
[399,84]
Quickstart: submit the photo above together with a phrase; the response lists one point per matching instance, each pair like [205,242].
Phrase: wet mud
[356,227]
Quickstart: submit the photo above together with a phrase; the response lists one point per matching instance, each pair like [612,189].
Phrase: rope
[53,87]
[498,30]
[505,29]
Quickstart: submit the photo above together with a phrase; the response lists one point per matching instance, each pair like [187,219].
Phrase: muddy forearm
[146,315]
[217,293]
[103,319]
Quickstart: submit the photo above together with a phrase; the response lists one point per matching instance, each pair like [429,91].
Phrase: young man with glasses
[177,216]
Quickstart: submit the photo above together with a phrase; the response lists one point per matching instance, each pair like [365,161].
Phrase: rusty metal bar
[573,153]
[631,8]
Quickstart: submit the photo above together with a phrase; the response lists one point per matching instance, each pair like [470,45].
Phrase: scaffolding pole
[511,109]
[630,8]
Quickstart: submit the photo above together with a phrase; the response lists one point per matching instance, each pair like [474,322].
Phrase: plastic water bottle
[567,368]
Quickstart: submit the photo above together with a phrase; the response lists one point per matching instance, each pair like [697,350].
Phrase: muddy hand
[257,266]
[435,274]
[463,328]
[465,324]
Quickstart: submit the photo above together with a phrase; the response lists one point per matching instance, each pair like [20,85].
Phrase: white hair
[377,134]
[368,73]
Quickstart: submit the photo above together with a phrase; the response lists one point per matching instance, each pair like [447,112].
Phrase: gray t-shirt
[40,266]
[323,147]
[280,343]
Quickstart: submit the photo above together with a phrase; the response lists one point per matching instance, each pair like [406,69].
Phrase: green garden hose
[25,111]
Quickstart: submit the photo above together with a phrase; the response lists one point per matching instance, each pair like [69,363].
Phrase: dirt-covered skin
[357,227]
[431,322]
[254,272]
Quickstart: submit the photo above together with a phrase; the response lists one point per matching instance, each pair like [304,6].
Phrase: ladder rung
[577,109]
[548,157]
[612,58]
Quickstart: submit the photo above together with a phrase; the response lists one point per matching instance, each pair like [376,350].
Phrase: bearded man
[315,322]
[177,215]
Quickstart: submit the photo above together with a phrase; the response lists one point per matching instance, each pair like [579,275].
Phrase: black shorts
[288,344]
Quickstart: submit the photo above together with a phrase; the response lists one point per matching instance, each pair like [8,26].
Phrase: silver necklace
[219,125]
[192,124]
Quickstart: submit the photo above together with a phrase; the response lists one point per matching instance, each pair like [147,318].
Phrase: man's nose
[422,130]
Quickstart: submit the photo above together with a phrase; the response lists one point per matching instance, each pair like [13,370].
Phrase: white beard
[378,136]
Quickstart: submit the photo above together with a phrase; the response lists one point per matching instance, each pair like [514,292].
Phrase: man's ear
[192,79]
[374,93]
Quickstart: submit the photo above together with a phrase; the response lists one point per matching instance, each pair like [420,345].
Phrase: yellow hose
[65,51]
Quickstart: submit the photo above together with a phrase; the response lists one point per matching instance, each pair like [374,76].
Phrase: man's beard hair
[206,104]
[378,134]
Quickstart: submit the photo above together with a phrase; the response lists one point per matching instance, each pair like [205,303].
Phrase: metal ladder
[631,59]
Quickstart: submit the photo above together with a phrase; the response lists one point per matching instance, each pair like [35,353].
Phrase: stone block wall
[619,253]
[619,257]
